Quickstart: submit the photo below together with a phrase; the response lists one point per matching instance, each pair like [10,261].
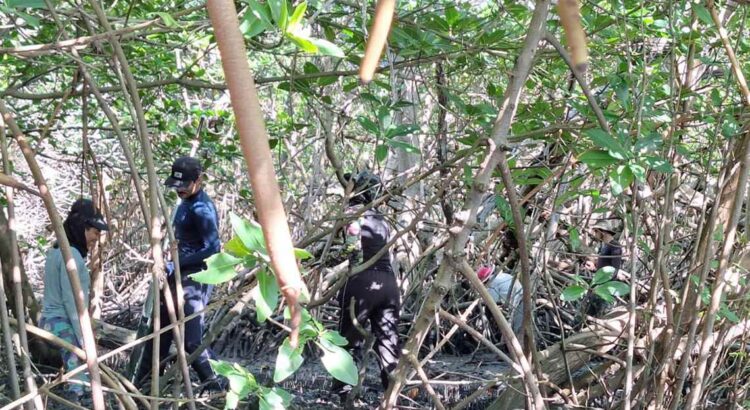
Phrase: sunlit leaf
[620,179]
[603,275]
[266,295]
[572,293]
[338,362]
[302,254]
[220,269]
[235,247]
[327,48]
[249,233]
[288,360]
[167,19]
[608,142]
[597,158]
[296,17]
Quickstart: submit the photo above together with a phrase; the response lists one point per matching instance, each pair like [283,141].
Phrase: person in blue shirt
[83,226]
[196,226]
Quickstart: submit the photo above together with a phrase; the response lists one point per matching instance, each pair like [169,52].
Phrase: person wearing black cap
[196,226]
[83,226]
[375,291]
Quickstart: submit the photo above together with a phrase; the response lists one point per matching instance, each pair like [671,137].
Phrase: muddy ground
[453,377]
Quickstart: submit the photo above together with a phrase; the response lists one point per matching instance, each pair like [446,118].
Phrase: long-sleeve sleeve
[206,225]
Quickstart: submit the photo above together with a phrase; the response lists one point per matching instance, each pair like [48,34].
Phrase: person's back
[374,291]
[58,300]
[374,237]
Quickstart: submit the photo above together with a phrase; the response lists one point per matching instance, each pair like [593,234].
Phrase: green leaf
[620,179]
[403,146]
[167,19]
[26,4]
[274,398]
[603,275]
[235,247]
[275,6]
[575,239]
[303,43]
[451,15]
[385,117]
[219,269]
[335,338]
[606,141]
[597,159]
[266,295]
[614,288]
[603,293]
[261,11]
[381,152]
[297,15]
[572,293]
[638,171]
[302,254]
[283,17]
[252,25]
[368,125]
[249,233]
[327,48]
[221,367]
[724,311]
[659,164]
[402,130]
[338,362]
[703,14]
[287,361]
[232,401]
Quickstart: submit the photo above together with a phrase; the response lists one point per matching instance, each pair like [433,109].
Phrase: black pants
[196,296]
[376,298]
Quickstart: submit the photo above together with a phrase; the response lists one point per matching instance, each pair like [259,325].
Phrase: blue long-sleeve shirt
[58,298]
[196,225]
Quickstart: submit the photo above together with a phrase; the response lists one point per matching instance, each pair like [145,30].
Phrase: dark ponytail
[75,230]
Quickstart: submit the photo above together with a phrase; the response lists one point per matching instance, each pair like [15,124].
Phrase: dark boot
[203,370]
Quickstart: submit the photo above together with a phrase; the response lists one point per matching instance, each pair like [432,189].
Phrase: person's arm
[206,224]
[68,297]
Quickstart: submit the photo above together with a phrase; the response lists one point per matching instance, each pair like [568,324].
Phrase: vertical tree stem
[14,389]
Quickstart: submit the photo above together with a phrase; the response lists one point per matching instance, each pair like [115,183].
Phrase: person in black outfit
[610,255]
[196,226]
[374,291]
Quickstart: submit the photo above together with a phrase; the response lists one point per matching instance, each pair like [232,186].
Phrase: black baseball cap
[184,171]
[89,214]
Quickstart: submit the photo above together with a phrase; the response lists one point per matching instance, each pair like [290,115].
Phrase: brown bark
[257,153]
[378,35]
